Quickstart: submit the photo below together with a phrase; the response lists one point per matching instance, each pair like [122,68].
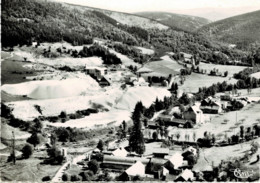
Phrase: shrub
[93,166]
[35,139]
[65,177]
[27,151]
[74,178]
[155,136]
[46,178]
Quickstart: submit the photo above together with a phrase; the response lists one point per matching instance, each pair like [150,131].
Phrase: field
[216,154]
[163,67]
[222,68]
[6,132]
[27,170]
[194,81]
[247,116]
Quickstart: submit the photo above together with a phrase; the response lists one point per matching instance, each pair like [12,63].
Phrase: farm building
[96,72]
[226,97]
[140,82]
[208,105]
[121,163]
[174,162]
[160,153]
[186,176]
[187,57]
[192,150]
[194,114]
[137,169]
[104,81]
[120,152]
[164,117]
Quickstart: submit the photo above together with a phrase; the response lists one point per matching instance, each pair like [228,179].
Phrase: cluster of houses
[105,78]
[159,165]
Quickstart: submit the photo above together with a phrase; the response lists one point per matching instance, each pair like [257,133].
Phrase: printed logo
[243,174]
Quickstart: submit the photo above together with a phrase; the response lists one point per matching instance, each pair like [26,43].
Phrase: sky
[211,9]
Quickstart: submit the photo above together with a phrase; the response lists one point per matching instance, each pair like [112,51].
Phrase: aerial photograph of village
[130,90]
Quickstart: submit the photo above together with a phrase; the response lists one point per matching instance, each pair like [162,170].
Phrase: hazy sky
[212,9]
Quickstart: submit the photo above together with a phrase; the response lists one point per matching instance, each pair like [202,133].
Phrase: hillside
[241,30]
[43,21]
[177,21]
[126,18]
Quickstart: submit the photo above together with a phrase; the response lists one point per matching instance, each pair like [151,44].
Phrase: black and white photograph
[130,90]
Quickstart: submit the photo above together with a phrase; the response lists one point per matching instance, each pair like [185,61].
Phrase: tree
[27,151]
[242,132]
[194,136]
[65,177]
[100,145]
[74,178]
[55,155]
[34,139]
[93,166]
[136,140]
[64,135]
[37,127]
[178,135]
[138,109]
[124,126]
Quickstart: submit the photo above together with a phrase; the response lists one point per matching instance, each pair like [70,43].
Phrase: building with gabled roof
[174,162]
[186,176]
[194,114]
[161,152]
[120,152]
[211,106]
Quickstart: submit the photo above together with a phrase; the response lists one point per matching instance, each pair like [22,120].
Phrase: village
[173,130]
[172,134]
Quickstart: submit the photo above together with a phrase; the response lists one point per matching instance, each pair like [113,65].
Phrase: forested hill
[241,30]
[177,21]
[24,21]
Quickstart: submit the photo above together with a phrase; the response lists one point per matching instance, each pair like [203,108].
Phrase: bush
[155,136]
[93,166]
[65,177]
[35,139]
[74,178]
[27,151]
[46,178]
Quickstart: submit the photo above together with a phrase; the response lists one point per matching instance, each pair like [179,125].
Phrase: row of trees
[100,51]
[243,83]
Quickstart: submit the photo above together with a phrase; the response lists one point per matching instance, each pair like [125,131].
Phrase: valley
[96,95]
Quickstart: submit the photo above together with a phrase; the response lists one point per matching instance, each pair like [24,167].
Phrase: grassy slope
[176,21]
[241,30]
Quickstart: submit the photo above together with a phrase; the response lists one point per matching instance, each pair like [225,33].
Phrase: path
[57,177]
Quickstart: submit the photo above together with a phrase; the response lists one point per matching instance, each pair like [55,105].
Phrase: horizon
[213,10]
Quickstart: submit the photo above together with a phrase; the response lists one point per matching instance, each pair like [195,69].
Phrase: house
[194,114]
[140,82]
[120,152]
[192,150]
[164,117]
[121,163]
[174,162]
[208,105]
[137,169]
[161,152]
[179,123]
[186,176]
[104,81]
[226,96]
[187,57]
[96,72]
[143,70]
